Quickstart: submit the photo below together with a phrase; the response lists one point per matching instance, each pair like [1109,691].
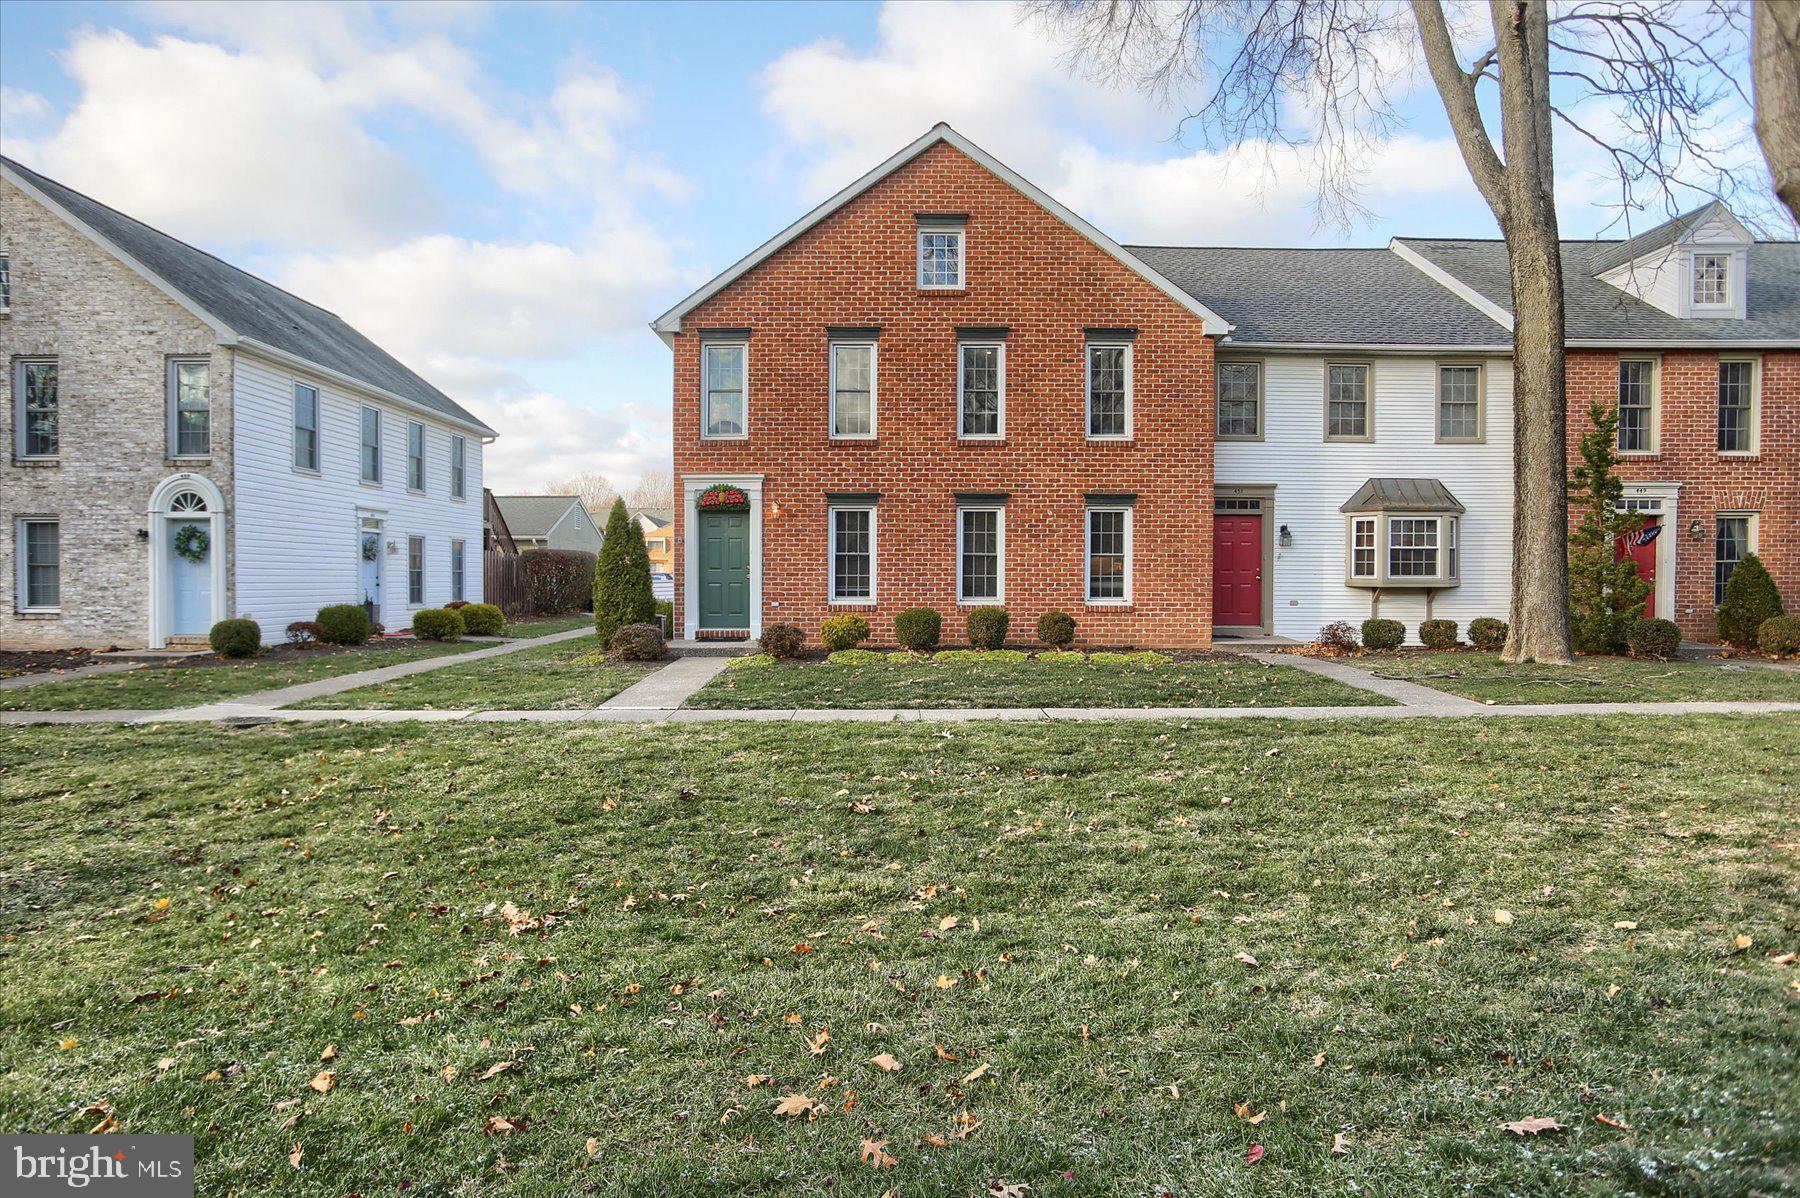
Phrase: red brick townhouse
[942,388]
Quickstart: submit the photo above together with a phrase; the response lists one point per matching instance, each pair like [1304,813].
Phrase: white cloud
[547,439]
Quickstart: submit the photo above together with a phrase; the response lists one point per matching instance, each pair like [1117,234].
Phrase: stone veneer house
[187,442]
[942,388]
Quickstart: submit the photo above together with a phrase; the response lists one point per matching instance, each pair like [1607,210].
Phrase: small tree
[1605,589]
[1750,598]
[622,577]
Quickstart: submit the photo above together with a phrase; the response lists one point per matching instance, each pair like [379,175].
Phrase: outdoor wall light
[1697,531]
[143,534]
[1286,538]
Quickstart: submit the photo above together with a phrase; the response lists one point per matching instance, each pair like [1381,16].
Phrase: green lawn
[545,677]
[549,624]
[160,686]
[1590,680]
[1026,684]
[1081,957]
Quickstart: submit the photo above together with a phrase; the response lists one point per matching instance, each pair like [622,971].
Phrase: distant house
[189,442]
[549,522]
[658,524]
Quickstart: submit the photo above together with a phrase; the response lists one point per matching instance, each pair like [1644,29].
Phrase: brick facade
[111,333]
[1766,483]
[1045,283]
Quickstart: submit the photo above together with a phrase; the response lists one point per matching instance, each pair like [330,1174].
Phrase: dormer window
[1712,280]
[941,243]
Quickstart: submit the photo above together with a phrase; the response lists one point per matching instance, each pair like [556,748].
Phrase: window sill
[1125,439]
[851,602]
[413,491]
[1349,440]
[923,289]
[725,437]
[1245,440]
[373,485]
[1639,455]
[36,462]
[997,601]
[182,463]
[302,470]
[1113,604]
[982,438]
[851,439]
[1740,454]
[40,613]
[1461,441]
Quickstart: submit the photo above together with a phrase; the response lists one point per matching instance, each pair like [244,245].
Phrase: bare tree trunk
[1540,596]
[1776,71]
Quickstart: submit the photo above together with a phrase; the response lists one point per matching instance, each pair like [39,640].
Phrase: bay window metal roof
[1402,495]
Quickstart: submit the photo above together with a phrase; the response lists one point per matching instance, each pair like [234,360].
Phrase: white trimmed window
[1409,549]
[1239,386]
[1712,279]
[5,284]
[1347,415]
[1108,390]
[1459,403]
[1362,547]
[941,257]
[415,456]
[980,554]
[459,467]
[1109,555]
[853,554]
[1734,537]
[723,406]
[1637,405]
[371,445]
[36,408]
[190,408]
[38,551]
[415,570]
[1412,547]
[306,427]
[1737,406]
[981,389]
[853,389]
[456,571]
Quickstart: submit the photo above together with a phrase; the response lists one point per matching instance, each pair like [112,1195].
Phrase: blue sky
[505,195]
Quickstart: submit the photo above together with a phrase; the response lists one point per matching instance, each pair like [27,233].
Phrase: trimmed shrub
[437,624]
[1339,635]
[987,627]
[918,629]
[482,619]
[1487,633]
[1383,634]
[855,657]
[638,642]
[1779,636]
[751,662]
[843,632]
[1438,634]
[1653,638]
[558,580]
[305,632]
[235,638]
[343,624]
[1062,657]
[1600,633]
[782,641]
[980,655]
[1750,598]
[622,577]
[1137,657]
[1056,629]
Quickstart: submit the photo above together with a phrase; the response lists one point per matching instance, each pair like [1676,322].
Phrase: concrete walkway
[1409,693]
[669,687]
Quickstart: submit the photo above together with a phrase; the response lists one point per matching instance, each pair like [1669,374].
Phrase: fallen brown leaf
[1531,1127]
[874,1152]
[322,1081]
[798,1104]
[885,1061]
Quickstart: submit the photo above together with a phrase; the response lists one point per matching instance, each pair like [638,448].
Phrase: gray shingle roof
[534,515]
[1330,297]
[662,517]
[250,306]
[1651,240]
[1402,495]
[1597,311]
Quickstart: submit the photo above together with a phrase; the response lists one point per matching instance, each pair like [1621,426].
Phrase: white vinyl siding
[981,555]
[1108,391]
[190,408]
[852,553]
[981,390]
[853,374]
[724,398]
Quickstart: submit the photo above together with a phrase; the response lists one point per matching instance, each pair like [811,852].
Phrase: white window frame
[1087,358]
[999,346]
[1750,545]
[20,365]
[1368,402]
[459,466]
[831,555]
[1724,259]
[1479,437]
[1655,429]
[1448,563]
[706,349]
[1261,406]
[459,566]
[961,233]
[363,445]
[415,459]
[1373,525]
[298,428]
[999,595]
[1087,555]
[418,543]
[172,388]
[1755,446]
[22,566]
[874,372]
[1436,548]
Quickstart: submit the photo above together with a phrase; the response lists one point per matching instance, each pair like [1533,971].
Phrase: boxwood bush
[304,632]
[235,638]
[344,624]
[482,619]
[1056,629]
[1653,638]
[951,656]
[918,629]
[782,641]
[1487,633]
[437,624]
[843,632]
[1061,657]
[1750,598]
[1600,632]
[1438,634]
[987,627]
[1779,636]
[1383,634]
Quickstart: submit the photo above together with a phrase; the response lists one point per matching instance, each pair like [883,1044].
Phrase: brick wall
[1027,271]
[111,334]
[1767,483]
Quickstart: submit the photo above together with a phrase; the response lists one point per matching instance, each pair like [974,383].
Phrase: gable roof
[242,308]
[1597,313]
[535,515]
[1324,297]
[1661,237]
[659,517]
[669,323]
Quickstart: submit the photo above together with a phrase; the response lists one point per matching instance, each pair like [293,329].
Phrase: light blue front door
[190,583]
[371,573]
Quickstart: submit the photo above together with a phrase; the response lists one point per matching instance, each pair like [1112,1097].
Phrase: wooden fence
[503,582]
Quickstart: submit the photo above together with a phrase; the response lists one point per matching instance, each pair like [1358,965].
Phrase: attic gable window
[1712,283]
[941,242]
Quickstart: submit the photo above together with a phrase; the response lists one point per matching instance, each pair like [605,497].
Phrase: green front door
[725,570]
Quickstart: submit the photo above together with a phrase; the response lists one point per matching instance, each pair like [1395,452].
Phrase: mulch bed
[15,662]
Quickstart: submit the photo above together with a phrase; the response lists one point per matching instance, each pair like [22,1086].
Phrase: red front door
[1237,570]
[1644,554]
